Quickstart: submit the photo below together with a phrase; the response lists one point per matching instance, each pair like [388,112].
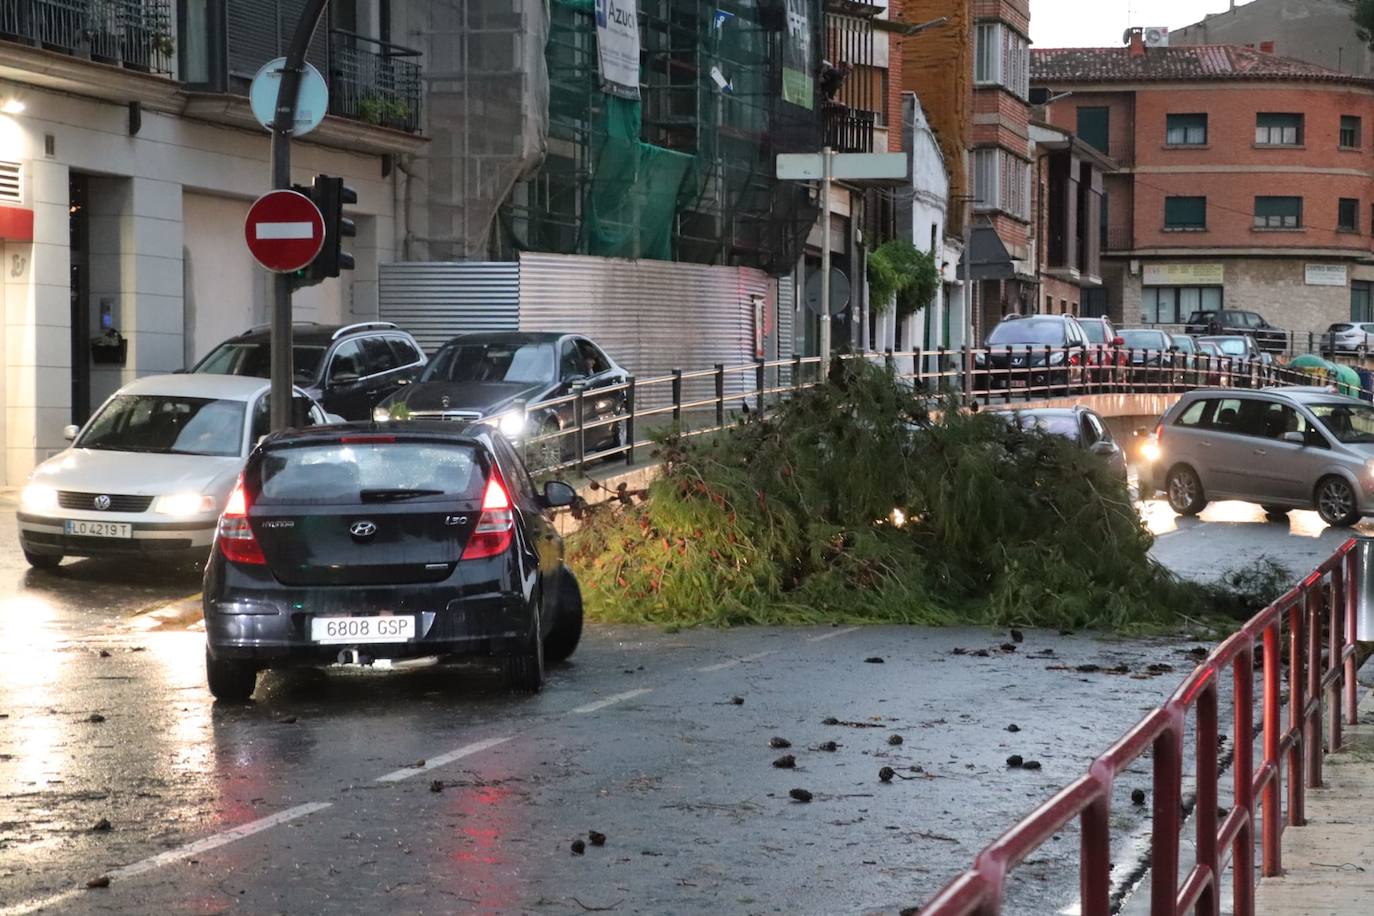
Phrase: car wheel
[525,670]
[1185,491]
[567,621]
[229,679]
[44,561]
[1336,502]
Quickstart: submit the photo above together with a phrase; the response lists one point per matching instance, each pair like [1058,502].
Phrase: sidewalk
[1328,865]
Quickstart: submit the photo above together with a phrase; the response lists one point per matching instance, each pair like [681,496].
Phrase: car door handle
[1260,451]
[1205,444]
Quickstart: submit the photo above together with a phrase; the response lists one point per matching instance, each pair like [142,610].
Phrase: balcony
[373,81]
[1119,238]
[134,34]
[848,130]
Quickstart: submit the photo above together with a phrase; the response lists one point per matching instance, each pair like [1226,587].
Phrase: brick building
[1245,180]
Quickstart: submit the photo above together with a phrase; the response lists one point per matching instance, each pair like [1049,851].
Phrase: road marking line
[466,750]
[215,841]
[612,700]
[721,666]
[832,634]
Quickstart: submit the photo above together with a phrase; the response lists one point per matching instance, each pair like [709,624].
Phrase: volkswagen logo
[101,502]
[444,402]
[362,530]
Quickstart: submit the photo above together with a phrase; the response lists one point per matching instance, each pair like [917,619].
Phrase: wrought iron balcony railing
[373,81]
[848,130]
[138,34]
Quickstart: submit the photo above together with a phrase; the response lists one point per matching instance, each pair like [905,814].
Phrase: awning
[989,258]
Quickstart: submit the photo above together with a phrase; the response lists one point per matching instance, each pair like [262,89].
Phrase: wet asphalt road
[322,794]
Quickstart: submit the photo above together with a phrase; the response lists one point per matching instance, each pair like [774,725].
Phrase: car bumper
[273,628]
[43,534]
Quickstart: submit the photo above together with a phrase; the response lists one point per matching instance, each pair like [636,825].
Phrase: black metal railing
[374,81]
[137,34]
[848,130]
[1119,238]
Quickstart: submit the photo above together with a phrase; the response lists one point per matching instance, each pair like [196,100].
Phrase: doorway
[80,244]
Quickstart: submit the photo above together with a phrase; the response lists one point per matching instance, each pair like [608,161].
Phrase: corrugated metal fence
[435,300]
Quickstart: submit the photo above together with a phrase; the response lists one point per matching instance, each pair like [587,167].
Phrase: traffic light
[331,195]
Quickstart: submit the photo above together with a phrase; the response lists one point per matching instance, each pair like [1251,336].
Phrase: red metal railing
[1318,684]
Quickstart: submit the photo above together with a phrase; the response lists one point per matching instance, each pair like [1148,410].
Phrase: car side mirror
[340,379]
[1295,438]
[558,494]
[1102,447]
[69,432]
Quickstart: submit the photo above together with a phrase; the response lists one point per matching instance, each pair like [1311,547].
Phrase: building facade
[1316,31]
[1068,221]
[128,159]
[1246,180]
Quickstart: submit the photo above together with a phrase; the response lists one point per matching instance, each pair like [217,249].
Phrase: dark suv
[1036,352]
[348,368]
[361,541]
[1226,322]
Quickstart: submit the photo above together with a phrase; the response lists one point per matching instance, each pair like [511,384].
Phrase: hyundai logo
[362,530]
[101,502]
[444,402]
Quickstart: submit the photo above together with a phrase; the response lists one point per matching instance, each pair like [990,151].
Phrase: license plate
[99,529]
[361,629]
[1018,383]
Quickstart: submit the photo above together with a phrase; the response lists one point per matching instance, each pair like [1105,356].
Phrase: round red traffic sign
[284,230]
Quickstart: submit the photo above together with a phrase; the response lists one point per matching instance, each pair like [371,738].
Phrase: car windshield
[1211,349]
[355,472]
[492,362]
[167,424]
[1022,331]
[255,360]
[1347,422]
[1145,340]
[1054,424]
[1232,346]
[1096,331]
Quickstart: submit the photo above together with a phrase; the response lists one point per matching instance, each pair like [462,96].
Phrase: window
[348,362]
[405,351]
[1185,213]
[1102,228]
[1094,126]
[1001,181]
[1002,58]
[1278,129]
[1278,212]
[1186,130]
[1348,215]
[377,356]
[1193,415]
[985,178]
[1361,300]
[1350,132]
[1174,304]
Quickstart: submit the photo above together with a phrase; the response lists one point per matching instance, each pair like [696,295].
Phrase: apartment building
[1245,179]
[128,158]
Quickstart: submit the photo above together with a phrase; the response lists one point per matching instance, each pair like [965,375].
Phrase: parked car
[362,541]
[348,368]
[150,471]
[1284,448]
[1240,357]
[1081,426]
[1150,353]
[1041,351]
[1348,337]
[483,378]
[1202,360]
[1105,349]
[1220,322]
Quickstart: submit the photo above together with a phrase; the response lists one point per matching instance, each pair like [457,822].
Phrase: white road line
[466,750]
[832,634]
[721,666]
[612,700]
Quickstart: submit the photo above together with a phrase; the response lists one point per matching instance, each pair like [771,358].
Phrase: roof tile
[1196,62]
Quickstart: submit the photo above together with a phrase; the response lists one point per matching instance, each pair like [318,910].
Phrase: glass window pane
[1211,298]
[1093,127]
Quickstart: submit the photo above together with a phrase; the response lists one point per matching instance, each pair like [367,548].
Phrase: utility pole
[826,318]
[282,127]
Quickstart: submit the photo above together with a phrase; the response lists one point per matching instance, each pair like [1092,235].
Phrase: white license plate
[361,629]
[1019,383]
[99,529]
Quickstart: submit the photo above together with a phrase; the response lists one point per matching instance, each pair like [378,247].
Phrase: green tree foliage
[900,274]
[850,503]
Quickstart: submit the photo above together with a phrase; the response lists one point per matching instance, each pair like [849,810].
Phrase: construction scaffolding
[686,172]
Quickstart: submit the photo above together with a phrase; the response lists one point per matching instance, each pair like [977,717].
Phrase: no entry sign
[284,231]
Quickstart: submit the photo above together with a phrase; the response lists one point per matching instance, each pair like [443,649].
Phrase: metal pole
[826,164]
[968,305]
[282,125]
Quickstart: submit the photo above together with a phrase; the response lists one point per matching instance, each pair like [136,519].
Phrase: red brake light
[496,524]
[236,539]
[365,440]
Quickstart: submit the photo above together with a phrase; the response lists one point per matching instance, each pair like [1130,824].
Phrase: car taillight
[496,524]
[1074,360]
[236,539]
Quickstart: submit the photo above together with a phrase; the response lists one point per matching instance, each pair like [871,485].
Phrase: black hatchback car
[355,542]
[480,378]
[348,368]
[1035,352]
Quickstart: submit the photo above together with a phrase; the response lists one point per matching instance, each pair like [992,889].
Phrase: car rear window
[1144,340]
[1096,331]
[342,472]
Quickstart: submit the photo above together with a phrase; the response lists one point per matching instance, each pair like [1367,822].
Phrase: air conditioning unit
[1156,37]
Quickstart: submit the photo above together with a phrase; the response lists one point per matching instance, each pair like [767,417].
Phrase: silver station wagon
[1284,448]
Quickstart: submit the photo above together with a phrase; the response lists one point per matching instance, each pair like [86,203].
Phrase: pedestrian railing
[1318,614]
[620,421]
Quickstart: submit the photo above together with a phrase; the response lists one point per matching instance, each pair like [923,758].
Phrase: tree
[900,274]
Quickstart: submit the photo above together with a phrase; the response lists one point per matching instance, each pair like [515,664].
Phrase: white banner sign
[1326,275]
[617,41]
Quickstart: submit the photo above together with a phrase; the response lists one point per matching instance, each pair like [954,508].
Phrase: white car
[151,470]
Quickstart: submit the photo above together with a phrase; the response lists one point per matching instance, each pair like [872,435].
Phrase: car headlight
[181,505]
[1056,357]
[39,497]
[381,414]
[512,423]
[979,359]
[1150,451]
